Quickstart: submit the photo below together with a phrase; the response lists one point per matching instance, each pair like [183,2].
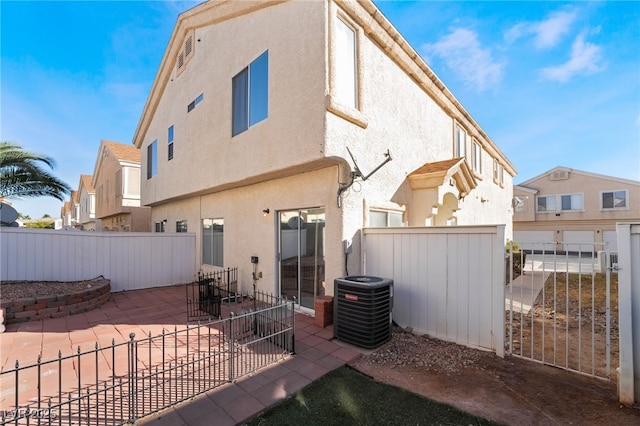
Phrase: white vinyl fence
[448,281]
[130,260]
[629,311]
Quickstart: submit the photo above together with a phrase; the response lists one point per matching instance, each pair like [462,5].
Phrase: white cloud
[546,33]
[469,61]
[586,58]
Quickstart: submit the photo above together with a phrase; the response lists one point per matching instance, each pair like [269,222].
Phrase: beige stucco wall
[247,232]
[591,187]
[133,219]
[291,135]
[119,212]
[297,157]
[592,218]
[416,130]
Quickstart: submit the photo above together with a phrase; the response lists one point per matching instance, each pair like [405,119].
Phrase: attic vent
[188,46]
[180,60]
[560,175]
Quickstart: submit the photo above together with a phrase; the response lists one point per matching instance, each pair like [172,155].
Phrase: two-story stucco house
[66,215]
[70,212]
[281,129]
[86,204]
[576,210]
[116,179]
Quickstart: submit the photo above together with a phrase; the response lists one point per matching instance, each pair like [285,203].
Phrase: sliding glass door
[301,249]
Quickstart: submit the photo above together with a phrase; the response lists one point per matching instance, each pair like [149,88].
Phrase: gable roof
[66,207]
[123,153]
[524,189]
[365,13]
[576,171]
[433,175]
[85,180]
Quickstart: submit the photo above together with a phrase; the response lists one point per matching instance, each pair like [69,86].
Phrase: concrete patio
[152,310]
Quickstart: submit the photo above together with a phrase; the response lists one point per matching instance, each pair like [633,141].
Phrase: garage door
[578,241]
[610,239]
[533,240]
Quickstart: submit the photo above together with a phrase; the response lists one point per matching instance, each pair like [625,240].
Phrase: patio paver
[155,309]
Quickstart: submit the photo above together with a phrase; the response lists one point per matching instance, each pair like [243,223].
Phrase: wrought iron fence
[122,382]
[205,297]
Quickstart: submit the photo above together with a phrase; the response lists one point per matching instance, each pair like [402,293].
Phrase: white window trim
[387,212]
[333,105]
[476,157]
[498,169]
[558,200]
[459,151]
[614,209]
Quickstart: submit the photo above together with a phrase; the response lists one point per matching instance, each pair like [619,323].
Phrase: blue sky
[552,83]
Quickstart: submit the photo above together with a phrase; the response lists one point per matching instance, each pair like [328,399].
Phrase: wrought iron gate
[205,297]
[561,307]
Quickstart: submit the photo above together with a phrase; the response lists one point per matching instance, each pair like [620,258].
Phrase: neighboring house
[86,204]
[247,133]
[65,215]
[574,209]
[70,212]
[116,179]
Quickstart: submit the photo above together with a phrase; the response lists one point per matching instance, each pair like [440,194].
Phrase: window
[459,142]
[250,91]
[195,102]
[547,204]
[571,202]
[564,202]
[119,183]
[152,159]
[498,172]
[213,242]
[181,226]
[382,218]
[131,184]
[160,226]
[476,157]
[346,83]
[614,199]
[170,140]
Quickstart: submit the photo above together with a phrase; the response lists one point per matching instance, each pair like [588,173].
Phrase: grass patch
[348,397]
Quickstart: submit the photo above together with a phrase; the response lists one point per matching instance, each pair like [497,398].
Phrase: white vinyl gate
[559,309]
[448,281]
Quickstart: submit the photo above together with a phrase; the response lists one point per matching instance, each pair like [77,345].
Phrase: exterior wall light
[265,212]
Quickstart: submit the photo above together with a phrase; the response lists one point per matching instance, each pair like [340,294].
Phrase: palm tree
[22,174]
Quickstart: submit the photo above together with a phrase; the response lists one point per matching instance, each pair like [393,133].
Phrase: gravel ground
[406,349]
[10,290]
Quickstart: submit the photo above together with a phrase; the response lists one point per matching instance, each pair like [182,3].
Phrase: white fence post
[629,310]
[499,277]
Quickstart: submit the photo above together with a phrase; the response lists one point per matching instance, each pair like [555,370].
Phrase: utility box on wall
[363,310]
